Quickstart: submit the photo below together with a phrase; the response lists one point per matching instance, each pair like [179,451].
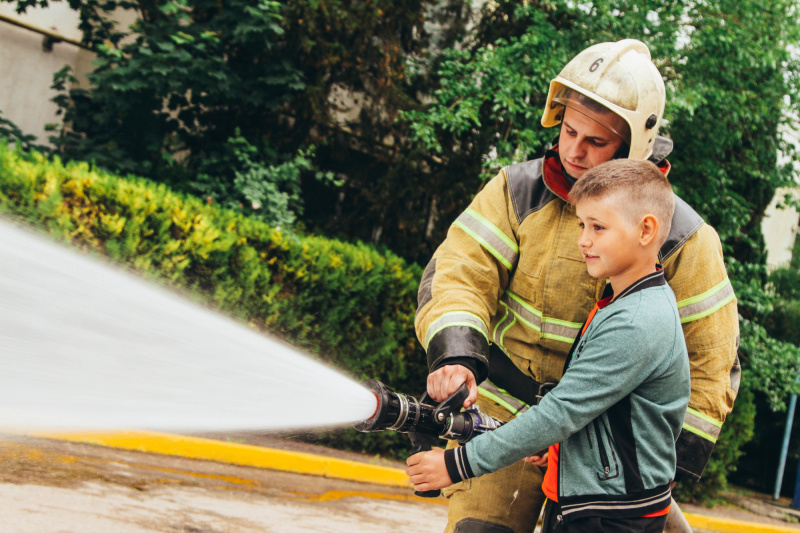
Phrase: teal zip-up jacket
[616,413]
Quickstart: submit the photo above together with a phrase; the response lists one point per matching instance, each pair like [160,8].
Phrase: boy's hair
[639,185]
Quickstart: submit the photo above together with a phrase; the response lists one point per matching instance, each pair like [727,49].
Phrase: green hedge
[347,303]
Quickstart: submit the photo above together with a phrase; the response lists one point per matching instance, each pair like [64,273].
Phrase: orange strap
[550,482]
[662,512]
[589,320]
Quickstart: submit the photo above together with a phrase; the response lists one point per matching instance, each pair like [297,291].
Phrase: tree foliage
[760,468]
[172,94]
[176,85]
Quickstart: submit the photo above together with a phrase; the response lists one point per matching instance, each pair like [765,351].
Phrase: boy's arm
[605,372]
[710,319]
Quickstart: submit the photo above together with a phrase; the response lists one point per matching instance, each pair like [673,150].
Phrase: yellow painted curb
[306,463]
[240,454]
[726,525]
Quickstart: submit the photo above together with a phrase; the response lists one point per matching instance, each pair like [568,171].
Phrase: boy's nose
[583,242]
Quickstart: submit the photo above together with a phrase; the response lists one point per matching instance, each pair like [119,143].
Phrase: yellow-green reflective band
[505,393]
[511,319]
[500,401]
[456,318]
[701,416]
[503,326]
[696,431]
[505,316]
[497,243]
[548,328]
[707,303]
[494,229]
[560,330]
[526,314]
[702,425]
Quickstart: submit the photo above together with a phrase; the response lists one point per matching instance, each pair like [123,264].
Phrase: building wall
[780,227]
[780,224]
[26,68]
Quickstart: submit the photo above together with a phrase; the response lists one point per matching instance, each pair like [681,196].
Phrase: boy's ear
[648,228]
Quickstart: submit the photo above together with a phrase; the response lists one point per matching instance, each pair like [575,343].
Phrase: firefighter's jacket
[510,274]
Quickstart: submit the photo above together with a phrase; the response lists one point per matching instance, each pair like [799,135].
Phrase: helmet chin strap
[622,152]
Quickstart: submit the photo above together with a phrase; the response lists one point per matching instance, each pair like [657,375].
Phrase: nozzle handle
[452,404]
[421,442]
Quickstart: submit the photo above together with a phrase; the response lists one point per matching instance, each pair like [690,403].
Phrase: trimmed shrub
[348,304]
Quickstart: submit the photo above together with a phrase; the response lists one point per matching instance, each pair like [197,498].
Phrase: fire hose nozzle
[405,414]
[400,412]
[425,423]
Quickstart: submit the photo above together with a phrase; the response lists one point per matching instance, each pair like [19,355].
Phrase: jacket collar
[554,176]
[655,279]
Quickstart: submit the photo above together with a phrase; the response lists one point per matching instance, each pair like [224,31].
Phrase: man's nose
[577,150]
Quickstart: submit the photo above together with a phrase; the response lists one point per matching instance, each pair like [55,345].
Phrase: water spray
[86,344]
[425,422]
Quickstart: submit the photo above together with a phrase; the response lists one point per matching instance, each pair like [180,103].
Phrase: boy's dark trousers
[552,523]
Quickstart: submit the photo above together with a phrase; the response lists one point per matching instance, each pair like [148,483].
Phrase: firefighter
[505,294]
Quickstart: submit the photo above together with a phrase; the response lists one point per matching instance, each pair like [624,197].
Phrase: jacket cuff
[457,464]
[693,453]
[460,345]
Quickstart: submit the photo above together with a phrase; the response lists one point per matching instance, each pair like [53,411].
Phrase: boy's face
[585,143]
[609,241]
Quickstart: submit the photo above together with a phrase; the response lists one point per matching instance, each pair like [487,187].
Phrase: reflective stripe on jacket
[510,273]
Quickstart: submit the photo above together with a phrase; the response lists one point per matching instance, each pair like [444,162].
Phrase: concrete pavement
[321,465]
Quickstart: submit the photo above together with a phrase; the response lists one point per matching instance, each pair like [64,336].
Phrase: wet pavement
[52,485]
[61,487]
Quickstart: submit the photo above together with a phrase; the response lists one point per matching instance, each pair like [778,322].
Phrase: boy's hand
[537,460]
[426,470]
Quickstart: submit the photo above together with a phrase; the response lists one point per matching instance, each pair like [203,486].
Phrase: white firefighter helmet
[620,77]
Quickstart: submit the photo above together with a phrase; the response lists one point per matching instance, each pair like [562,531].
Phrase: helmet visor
[594,110]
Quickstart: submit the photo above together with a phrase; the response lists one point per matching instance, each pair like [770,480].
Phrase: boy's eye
[598,227]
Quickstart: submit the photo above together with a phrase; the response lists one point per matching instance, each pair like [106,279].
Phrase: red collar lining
[553,173]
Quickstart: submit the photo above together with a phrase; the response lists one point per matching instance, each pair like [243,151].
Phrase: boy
[619,408]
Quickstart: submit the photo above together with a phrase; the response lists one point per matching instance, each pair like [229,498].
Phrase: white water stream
[84,345]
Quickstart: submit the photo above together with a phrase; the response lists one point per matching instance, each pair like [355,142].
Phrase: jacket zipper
[601,448]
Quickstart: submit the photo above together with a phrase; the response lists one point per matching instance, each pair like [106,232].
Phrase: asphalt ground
[143,481]
[58,486]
